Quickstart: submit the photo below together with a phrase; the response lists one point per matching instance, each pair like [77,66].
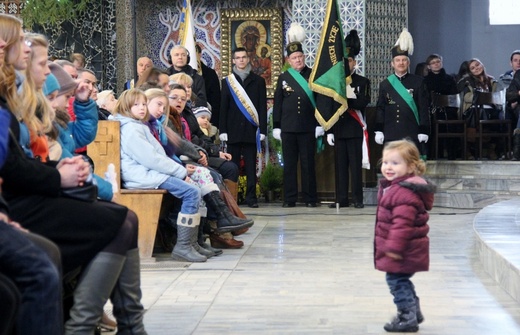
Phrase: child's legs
[188,193]
[402,288]
[202,177]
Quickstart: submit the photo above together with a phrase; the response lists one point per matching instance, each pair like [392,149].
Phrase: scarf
[242,74]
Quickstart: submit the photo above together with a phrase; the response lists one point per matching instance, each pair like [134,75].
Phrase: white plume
[405,41]
[296,33]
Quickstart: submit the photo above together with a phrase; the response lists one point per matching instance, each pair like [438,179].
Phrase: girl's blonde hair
[127,100]
[37,112]
[408,150]
[153,93]
[10,28]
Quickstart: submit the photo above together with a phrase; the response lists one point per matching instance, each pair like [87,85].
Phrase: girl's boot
[187,228]
[226,222]
[404,322]
[201,240]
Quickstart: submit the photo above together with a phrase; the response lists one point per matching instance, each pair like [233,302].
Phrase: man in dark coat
[347,135]
[212,86]
[243,117]
[402,105]
[180,63]
[439,82]
[295,125]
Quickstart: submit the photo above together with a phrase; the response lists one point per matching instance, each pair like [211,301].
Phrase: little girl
[401,246]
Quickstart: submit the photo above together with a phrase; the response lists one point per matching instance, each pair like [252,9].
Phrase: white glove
[350,93]
[262,137]
[422,138]
[319,131]
[223,137]
[330,139]
[277,134]
[380,137]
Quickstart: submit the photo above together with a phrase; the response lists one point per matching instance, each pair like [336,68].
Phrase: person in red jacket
[401,245]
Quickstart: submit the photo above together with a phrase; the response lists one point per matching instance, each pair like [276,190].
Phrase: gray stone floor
[310,271]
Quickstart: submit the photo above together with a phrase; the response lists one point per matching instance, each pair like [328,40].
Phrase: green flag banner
[328,73]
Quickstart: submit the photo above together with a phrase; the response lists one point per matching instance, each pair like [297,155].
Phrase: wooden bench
[148,204]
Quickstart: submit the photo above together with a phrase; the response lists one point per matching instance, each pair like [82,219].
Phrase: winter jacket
[144,163]
[402,224]
[82,131]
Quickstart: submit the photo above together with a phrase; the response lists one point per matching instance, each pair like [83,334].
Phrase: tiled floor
[310,271]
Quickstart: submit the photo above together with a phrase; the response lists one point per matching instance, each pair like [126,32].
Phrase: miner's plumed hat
[404,45]
[295,35]
[353,43]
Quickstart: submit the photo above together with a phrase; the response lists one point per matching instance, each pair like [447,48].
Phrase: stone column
[125,43]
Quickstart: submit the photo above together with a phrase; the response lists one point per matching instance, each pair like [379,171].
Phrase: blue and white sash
[245,105]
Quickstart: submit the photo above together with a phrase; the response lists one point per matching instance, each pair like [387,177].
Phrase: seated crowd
[63,256]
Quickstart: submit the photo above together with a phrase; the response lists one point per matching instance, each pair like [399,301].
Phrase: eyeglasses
[175,97]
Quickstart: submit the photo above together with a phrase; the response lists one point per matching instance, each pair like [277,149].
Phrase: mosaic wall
[93,35]
[11,7]
[310,14]
[159,20]
[384,21]
[378,22]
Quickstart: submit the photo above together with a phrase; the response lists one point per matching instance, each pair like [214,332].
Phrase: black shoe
[341,205]
[289,204]
[359,205]
[311,204]
[253,205]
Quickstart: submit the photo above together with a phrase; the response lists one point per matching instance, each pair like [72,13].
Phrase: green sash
[304,85]
[403,92]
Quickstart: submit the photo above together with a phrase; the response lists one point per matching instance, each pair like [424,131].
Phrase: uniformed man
[295,125]
[402,105]
[347,134]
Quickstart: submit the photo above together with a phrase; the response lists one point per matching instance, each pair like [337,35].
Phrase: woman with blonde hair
[98,237]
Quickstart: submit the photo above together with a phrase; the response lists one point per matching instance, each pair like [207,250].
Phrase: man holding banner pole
[349,135]
[329,73]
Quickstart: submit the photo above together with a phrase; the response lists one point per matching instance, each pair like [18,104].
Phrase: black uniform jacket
[293,111]
[232,121]
[347,126]
[394,117]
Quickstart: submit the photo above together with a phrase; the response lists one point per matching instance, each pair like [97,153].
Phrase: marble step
[473,168]
[509,183]
[455,198]
[497,229]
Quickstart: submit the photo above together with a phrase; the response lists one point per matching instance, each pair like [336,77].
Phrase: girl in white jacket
[144,164]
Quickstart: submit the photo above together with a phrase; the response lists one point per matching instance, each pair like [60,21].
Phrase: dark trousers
[402,289]
[248,151]
[349,154]
[26,259]
[229,170]
[302,146]
[9,306]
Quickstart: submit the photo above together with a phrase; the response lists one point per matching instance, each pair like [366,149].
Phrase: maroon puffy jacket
[402,224]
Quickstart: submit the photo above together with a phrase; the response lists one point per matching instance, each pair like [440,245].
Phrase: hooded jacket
[144,163]
[402,224]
